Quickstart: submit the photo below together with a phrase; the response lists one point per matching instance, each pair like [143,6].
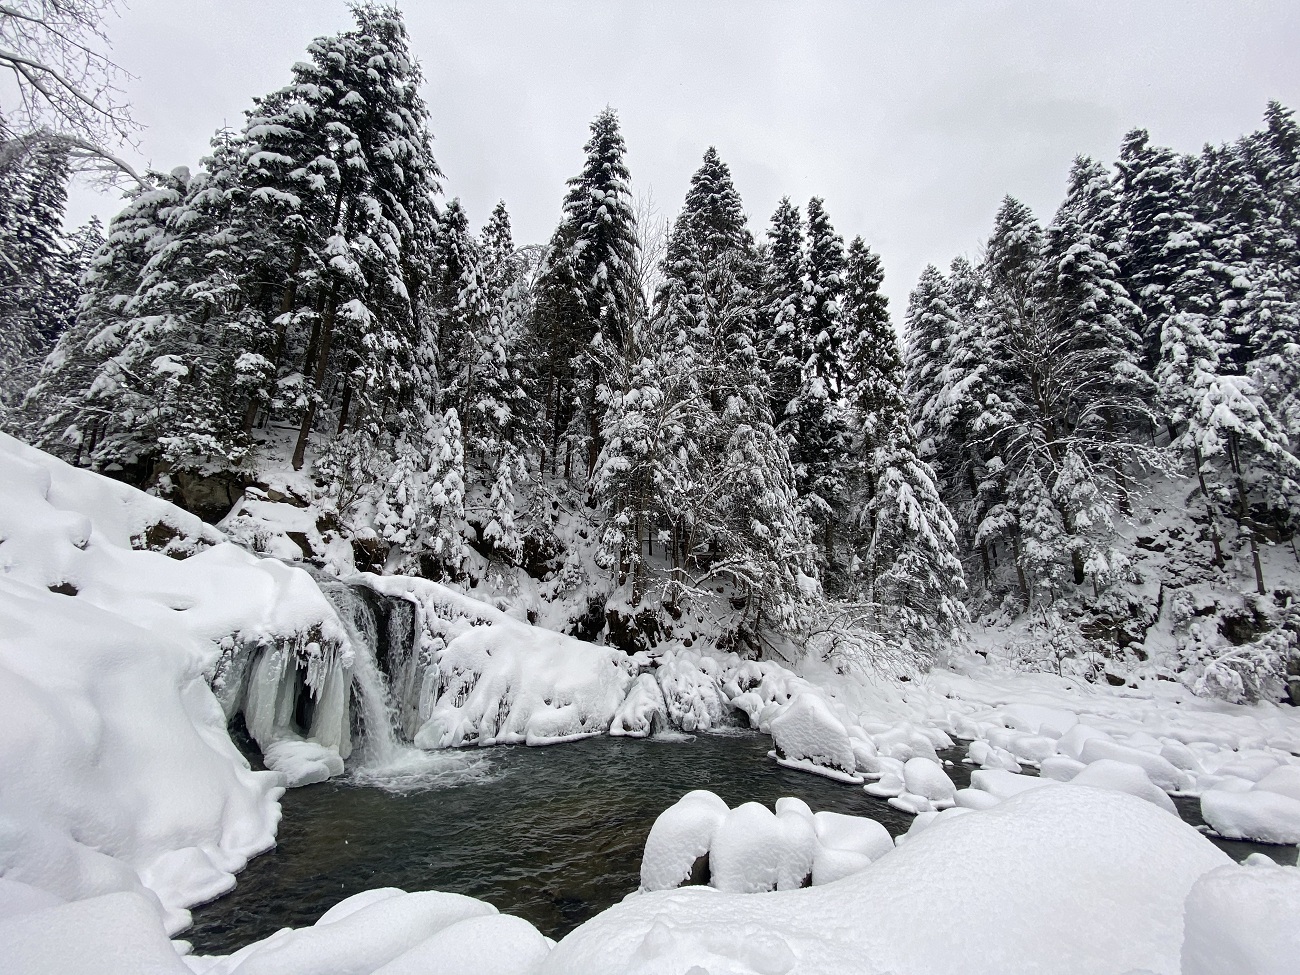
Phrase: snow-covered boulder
[989,756]
[1284,780]
[1163,773]
[1243,920]
[754,850]
[1123,777]
[1060,767]
[491,944]
[1259,815]
[679,839]
[809,732]
[642,711]
[1004,784]
[853,834]
[927,779]
[355,940]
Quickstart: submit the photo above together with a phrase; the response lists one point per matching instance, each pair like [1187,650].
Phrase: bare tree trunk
[322,363]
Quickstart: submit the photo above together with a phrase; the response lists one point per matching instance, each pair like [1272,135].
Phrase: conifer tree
[38,276]
[781,324]
[586,291]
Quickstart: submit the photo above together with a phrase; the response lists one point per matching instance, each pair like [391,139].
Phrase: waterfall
[380,744]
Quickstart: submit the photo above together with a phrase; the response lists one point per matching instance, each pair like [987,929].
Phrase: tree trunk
[347,403]
[322,363]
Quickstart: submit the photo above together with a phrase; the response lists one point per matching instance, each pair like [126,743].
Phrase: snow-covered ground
[130,633]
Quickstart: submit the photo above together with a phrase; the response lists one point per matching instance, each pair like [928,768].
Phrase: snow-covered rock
[810,732]
[1284,780]
[680,836]
[1158,769]
[1123,777]
[642,711]
[854,834]
[1060,767]
[1243,920]
[1259,815]
[925,778]
[754,850]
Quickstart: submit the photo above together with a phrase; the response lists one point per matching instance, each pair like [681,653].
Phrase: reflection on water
[553,835]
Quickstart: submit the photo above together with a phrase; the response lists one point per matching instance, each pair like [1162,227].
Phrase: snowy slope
[117,767]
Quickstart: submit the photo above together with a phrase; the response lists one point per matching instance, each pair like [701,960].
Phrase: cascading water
[379,740]
[386,676]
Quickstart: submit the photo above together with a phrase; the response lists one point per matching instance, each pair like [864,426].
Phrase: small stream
[553,835]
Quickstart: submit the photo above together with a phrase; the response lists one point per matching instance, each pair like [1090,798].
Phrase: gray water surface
[553,835]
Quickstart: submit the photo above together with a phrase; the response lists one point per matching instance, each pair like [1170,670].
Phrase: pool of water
[553,835]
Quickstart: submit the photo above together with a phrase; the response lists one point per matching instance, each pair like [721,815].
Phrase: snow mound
[1243,920]
[681,835]
[750,850]
[113,934]
[1259,815]
[114,605]
[1087,882]
[808,731]
[357,941]
[1123,777]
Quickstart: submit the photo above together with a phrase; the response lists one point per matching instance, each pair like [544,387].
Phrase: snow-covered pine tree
[1239,451]
[344,150]
[38,283]
[814,424]
[586,292]
[907,572]
[691,463]
[1086,298]
[85,406]
[781,329]
[930,328]
[1150,182]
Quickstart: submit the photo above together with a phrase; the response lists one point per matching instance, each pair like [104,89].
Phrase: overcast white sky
[911,119]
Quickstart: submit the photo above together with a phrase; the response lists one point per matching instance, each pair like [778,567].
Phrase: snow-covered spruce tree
[1239,450]
[692,465]
[814,423]
[1064,388]
[1152,192]
[85,406]
[276,284]
[378,168]
[907,575]
[781,329]
[929,329]
[480,313]
[586,294]
[38,265]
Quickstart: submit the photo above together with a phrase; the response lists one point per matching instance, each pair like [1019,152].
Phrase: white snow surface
[95,798]
[1064,880]
[1243,920]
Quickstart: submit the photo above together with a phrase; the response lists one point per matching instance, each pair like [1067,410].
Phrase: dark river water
[553,835]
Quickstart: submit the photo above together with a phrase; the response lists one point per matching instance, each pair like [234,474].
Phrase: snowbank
[1066,880]
[1243,920]
[97,631]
